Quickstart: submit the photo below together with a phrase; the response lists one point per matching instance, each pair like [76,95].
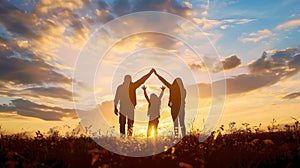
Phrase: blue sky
[41,40]
[265,15]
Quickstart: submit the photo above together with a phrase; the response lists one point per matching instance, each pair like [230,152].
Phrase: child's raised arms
[162,91]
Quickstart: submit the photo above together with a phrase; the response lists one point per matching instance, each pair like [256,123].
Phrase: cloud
[22,71]
[239,84]
[101,12]
[289,24]
[228,63]
[207,24]
[54,92]
[53,23]
[279,63]
[187,4]
[269,69]
[30,109]
[6,108]
[232,22]
[295,63]
[39,92]
[171,6]
[257,36]
[48,25]
[197,66]
[46,6]
[16,21]
[292,95]
[20,65]
[122,7]
[149,40]
[231,62]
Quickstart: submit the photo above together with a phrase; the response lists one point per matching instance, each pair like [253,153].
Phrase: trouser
[154,124]
[122,121]
[178,116]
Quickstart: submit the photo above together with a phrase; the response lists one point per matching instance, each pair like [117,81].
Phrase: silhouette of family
[126,97]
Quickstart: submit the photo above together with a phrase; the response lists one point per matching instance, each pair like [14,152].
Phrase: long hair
[180,83]
[179,93]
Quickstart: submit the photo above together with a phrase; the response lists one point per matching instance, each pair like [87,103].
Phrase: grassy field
[238,149]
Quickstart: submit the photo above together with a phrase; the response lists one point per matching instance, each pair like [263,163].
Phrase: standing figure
[153,110]
[126,96]
[176,103]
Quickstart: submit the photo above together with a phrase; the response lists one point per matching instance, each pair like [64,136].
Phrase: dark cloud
[248,82]
[262,65]
[21,65]
[6,108]
[38,92]
[292,95]
[13,48]
[54,92]
[16,21]
[196,66]
[22,71]
[265,71]
[228,63]
[240,84]
[295,63]
[30,109]
[278,63]
[231,62]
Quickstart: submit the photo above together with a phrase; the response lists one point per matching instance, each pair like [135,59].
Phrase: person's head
[179,82]
[127,79]
[153,97]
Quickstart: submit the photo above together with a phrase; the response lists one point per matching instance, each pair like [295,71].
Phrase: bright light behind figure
[99,66]
[152,132]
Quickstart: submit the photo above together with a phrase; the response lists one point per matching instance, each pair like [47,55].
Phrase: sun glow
[152,133]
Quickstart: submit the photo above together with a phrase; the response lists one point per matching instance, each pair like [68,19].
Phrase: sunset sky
[49,47]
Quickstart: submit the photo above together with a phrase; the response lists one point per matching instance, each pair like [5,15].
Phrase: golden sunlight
[152,132]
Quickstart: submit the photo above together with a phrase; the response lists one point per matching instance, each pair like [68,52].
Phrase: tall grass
[239,148]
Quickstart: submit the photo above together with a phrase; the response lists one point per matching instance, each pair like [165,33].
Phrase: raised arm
[163,80]
[145,93]
[162,92]
[143,79]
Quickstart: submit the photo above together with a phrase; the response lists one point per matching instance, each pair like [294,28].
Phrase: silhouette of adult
[176,103]
[126,96]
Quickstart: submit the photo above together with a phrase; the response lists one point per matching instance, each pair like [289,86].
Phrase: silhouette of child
[153,110]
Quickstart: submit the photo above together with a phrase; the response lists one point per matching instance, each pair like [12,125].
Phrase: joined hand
[152,70]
